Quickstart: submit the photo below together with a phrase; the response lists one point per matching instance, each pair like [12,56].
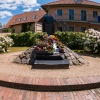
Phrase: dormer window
[78,1]
[15,20]
[25,18]
[20,19]
[35,17]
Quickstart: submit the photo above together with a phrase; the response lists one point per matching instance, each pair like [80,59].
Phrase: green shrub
[74,40]
[26,27]
[26,38]
[7,30]
[23,39]
[5,42]
[92,43]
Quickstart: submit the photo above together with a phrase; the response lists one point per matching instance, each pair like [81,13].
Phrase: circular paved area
[7,67]
[14,94]
[92,68]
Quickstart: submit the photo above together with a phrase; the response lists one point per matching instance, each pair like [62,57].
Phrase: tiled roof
[26,17]
[84,2]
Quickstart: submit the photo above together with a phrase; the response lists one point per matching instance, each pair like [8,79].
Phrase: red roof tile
[84,2]
[31,17]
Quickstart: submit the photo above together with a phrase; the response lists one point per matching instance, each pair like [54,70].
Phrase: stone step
[48,57]
[51,64]
[50,84]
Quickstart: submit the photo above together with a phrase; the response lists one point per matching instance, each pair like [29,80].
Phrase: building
[27,21]
[74,15]
[68,15]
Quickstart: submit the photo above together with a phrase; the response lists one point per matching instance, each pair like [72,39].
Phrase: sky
[9,8]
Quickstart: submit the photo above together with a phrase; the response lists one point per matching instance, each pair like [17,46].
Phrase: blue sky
[9,8]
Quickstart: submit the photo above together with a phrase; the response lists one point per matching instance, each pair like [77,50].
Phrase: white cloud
[27,10]
[13,4]
[8,6]
[4,14]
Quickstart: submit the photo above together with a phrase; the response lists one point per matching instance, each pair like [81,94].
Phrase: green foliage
[40,35]
[0,26]
[26,27]
[25,38]
[74,40]
[5,42]
[7,30]
[92,43]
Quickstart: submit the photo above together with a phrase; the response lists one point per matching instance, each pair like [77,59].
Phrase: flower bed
[47,44]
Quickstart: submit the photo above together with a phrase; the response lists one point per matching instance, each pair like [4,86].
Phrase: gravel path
[92,68]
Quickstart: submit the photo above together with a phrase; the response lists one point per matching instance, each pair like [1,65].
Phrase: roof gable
[26,17]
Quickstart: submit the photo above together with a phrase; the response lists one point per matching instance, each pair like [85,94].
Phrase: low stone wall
[74,58]
[25,57]
[28,57]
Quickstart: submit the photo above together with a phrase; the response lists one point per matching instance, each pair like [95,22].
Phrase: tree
[26,27]
[0,26]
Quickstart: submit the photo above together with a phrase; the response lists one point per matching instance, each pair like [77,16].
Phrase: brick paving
[61,87]
[50,84]
[15,94]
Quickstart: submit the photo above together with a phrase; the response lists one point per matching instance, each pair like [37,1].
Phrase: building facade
[74,15]
[31,21]
[68,15]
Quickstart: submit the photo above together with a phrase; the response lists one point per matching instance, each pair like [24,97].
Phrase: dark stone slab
[51,64]
[42,52]
[49,57]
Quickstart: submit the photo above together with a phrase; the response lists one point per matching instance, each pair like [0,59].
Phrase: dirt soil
[91,68]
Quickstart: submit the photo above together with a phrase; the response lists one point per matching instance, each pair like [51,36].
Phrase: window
[25,18]
[20,19]
[71,28]
[35,17]
[95,29]
[83,15]
[60,29]
[95,14]
[71,14]
[83,29]
[78,0]
[59,12]
[15,20]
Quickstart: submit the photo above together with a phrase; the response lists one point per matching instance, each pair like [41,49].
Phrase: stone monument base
[51,64]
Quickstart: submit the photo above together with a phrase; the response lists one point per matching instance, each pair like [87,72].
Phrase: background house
[74,15]
[60,15]
[27,21]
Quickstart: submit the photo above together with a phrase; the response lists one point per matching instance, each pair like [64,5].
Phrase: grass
[79,51]
[17,49]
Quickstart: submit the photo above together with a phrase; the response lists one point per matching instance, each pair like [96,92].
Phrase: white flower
[5,42]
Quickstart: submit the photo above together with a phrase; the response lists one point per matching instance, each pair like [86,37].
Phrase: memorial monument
[49,52]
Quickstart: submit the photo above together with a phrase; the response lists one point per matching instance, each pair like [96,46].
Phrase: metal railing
[76,17]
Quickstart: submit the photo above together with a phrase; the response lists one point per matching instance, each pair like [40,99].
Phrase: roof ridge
[93,1]
[29,12]
[87,2]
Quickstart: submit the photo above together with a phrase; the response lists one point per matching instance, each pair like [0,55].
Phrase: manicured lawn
[16,49]
[79,51]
